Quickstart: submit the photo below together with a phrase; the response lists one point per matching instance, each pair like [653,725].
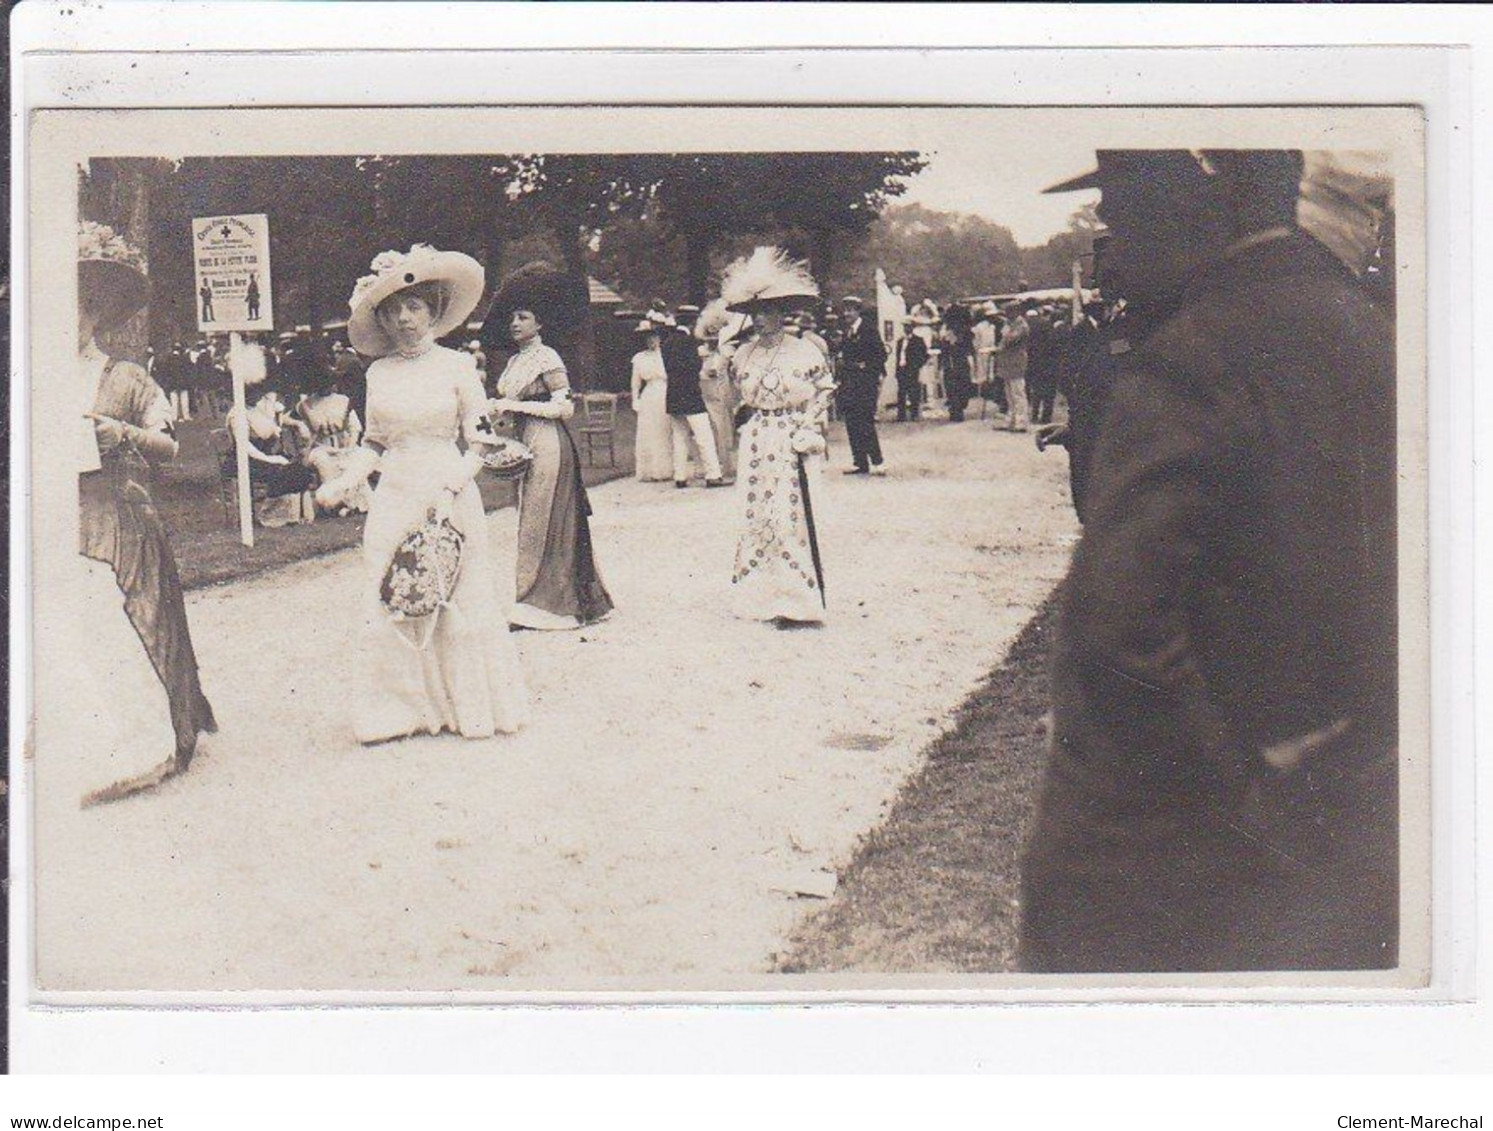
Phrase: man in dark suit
[1089,356]
[862,363]
[685,404]
[1221,791]
[1042,366]
[912,355]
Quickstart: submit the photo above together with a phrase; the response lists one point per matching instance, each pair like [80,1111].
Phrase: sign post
[231,270]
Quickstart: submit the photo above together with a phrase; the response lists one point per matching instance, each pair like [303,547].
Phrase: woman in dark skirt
[558,586]
[151,708]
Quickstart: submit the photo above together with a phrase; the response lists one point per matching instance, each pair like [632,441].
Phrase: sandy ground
[685,775]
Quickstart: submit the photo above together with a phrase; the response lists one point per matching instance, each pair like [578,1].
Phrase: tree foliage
[649,225]
[1051,265]
[930,254]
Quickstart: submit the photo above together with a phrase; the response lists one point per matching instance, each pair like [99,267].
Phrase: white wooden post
[241,442]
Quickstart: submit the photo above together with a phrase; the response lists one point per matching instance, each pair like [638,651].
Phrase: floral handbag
[422,576]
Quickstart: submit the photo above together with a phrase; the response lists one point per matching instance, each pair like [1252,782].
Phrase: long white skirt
[465,677]
[118,718]
[655,442]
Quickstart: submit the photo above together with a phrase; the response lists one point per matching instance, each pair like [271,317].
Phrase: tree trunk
[697,269]
[824,254]
[582,366]
[312,265]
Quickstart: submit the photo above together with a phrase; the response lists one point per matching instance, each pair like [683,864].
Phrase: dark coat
[862,363]
[1091,357]
[1042,356]
[913,355]
[1234,590]
[173,372]
[682,363]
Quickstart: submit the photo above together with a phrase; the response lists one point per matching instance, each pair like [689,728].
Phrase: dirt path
[684,774]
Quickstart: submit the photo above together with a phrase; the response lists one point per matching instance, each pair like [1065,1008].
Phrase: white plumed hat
[766,277]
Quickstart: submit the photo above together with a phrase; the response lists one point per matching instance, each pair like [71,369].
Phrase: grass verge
[935,888]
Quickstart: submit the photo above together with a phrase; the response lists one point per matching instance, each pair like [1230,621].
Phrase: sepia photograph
[681,550]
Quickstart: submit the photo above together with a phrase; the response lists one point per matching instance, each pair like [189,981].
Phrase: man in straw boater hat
[1221,792]
[808,330]
[1010,365]
[912,355]
[786,386]
[862,360]
[136,690]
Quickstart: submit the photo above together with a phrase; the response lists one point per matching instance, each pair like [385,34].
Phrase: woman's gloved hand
[808,442]
[464,472]
[360,465]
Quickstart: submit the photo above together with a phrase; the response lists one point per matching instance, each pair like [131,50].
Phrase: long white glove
[548,410]
[471,464]
[360,465]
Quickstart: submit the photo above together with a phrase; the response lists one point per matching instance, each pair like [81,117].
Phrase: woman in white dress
[654,446]
[464,675]
[784,380]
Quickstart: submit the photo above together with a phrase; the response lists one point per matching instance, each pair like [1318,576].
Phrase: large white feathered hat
[393,271]
[767,277]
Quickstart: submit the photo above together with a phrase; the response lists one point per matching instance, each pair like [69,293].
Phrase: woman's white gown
[467,678]
[655,443]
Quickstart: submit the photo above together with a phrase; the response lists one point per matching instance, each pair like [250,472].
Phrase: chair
[598,425]
[227,459]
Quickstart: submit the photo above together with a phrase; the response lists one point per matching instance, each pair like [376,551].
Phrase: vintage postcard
[779,551]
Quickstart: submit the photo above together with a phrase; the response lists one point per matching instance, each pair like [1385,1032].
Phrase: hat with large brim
[393,271]
[1177,169]
[112,269]
[561,301]
[767,279]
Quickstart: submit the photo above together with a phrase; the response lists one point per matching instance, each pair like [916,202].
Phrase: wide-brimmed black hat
[1119,165]
[561,302]
[111,275]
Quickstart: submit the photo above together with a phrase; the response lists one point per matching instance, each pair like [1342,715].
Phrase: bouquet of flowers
[507,458]
[423,572]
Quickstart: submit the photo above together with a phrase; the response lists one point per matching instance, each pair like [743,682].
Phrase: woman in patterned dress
[558,586]
[786,383]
